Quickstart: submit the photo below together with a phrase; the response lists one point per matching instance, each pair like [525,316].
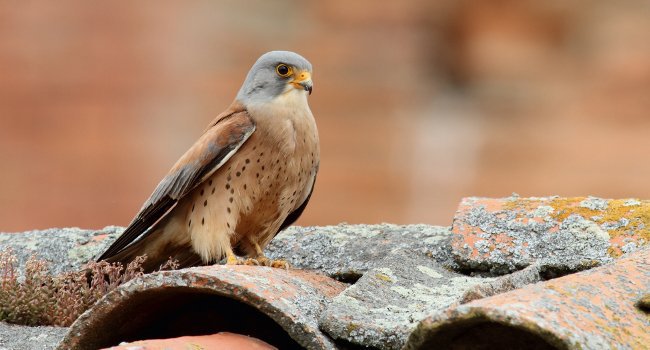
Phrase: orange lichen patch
[635,214]
[469,236]
[592,309]
[626,221]
[490,205]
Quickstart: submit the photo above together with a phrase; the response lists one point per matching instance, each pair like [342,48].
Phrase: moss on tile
[383,277]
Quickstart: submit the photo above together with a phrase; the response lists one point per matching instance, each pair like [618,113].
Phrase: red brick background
[419,103]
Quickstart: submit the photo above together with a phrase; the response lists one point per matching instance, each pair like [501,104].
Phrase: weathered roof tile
[223,340]
[592,309]
[384,306]
[564,234]
[278,306]
[346,252]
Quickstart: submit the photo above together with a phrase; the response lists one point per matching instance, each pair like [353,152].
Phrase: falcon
[249,176]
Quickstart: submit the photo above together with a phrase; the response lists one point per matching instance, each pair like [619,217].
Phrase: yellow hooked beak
[302,81]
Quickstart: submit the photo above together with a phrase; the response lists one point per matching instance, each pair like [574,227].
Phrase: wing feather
[218,143]
[294,215]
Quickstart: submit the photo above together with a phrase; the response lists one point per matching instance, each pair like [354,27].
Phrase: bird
[247,177]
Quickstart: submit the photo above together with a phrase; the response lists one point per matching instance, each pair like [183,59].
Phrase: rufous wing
[225,135]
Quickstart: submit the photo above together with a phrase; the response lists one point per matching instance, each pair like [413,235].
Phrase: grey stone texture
[14,337]
[66,249]
[502,284]
[346,252]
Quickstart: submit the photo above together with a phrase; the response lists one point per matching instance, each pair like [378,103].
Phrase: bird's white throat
[293,101]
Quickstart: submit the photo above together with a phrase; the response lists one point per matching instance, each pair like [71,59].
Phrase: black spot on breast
[193,207]
[228,209]
[238,174]
[202,191]
[232,191]
[205,203]
[245,186]
[257,175]
[262,167]
[229,177]
[189,224]
[230,199]
[202,221]
[210,182]
[227,186]
[228,224]
[248,161]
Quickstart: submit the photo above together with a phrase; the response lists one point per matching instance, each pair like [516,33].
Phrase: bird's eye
[283,70]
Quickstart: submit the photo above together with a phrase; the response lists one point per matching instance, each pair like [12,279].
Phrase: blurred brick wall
[418,102]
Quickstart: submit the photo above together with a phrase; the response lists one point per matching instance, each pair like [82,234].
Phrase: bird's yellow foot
[251,261]
[232,259]
[235,260]
[280,264]
[264,261]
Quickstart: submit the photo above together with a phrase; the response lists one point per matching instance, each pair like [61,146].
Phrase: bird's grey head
[275,73]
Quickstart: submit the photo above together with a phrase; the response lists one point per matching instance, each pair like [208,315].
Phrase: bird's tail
[158,252]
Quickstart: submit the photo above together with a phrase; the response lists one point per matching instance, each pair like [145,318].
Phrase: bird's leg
[259,259]
[263,260]
[232,259]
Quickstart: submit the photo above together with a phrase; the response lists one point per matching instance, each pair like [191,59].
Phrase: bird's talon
[232,260]
[264,261]
[280,264]
[251,262]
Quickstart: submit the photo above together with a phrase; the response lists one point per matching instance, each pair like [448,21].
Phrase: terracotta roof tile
[278,306]
[566,234]
[594,309]
[223,340]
